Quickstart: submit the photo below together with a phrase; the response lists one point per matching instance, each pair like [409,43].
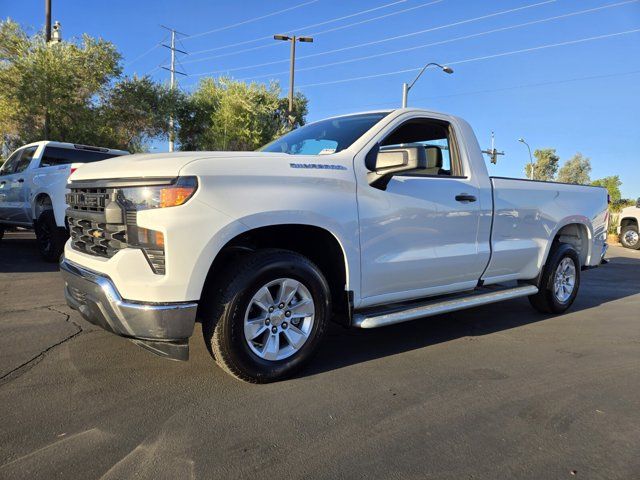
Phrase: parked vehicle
[628,227]
[372,219]
[33,184]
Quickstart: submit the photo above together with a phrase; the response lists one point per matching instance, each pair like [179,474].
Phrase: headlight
[158,196]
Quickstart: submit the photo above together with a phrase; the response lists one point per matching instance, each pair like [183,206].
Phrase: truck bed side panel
[527,217]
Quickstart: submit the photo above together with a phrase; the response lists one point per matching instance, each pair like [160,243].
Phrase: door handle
[21,180]
[465,197]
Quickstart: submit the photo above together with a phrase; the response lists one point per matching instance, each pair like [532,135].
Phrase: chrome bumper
[163,328]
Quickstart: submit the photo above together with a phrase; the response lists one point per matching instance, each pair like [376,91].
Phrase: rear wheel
[629,237]
[270,316]
[51,238]
[560,281]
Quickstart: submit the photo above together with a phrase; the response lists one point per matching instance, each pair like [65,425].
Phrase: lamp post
[293,39]
[406,87]
[521,140]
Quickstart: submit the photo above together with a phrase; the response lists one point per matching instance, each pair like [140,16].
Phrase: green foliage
[618,205]
[612,184]
[136,110]
[545,166]
[576,170]
[223,114]
[79,88]
[58,80]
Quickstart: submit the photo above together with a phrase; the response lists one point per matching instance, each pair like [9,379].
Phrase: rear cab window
[54,156]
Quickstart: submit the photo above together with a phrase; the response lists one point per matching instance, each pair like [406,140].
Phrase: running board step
[378,318]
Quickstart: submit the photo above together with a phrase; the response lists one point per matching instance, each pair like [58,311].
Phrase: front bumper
[163,328]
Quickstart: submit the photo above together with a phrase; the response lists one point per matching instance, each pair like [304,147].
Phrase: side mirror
[384,163]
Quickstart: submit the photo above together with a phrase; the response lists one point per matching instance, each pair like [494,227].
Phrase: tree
[612,184]
[224,114]
[79,88]
[576,170]
[545,166]
[58,81]
[136,110]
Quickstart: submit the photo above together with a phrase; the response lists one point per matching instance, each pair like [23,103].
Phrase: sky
[563,74]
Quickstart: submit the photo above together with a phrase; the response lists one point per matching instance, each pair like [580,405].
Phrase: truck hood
[155,164]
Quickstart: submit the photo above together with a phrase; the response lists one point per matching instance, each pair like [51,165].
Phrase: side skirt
[388,315]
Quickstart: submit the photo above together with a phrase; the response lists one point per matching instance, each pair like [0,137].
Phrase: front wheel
[629,237]
[560,281]
[270,314]
[50,237]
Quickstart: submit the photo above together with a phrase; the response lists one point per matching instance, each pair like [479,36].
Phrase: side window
[25,159]
[435,136]
[10,165]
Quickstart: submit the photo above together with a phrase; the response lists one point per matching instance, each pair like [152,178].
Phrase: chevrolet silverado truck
[369,219]
[628,227]
[33,184]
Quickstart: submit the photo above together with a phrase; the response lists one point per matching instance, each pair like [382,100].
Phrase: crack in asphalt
[23,368]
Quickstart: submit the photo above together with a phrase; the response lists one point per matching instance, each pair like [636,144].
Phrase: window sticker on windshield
[327,151]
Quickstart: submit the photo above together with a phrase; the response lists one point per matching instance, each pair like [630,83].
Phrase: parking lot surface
[495,392]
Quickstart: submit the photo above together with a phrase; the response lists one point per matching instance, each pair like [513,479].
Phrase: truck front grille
[88,199]
[100,225]
[96,238]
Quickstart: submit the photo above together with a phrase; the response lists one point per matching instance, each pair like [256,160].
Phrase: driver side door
[419,236]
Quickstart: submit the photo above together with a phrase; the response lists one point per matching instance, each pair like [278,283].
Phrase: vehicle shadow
[344,347]
[19,254]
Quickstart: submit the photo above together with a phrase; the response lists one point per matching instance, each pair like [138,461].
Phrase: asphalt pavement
[494,392]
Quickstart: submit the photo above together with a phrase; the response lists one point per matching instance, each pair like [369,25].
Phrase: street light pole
[292,69]
[293,39]
[521,140]
[47,20]
[406,87]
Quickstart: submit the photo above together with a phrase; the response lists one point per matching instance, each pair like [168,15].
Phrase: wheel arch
[576,232]
[41,201]
[319,244]
[626,221]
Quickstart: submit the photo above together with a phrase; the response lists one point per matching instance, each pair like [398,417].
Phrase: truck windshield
[326,136]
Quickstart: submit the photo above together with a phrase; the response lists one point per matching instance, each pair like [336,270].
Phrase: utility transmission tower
[173,71]
[492,152]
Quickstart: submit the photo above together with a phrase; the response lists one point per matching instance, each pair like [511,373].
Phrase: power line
[384,40]
[251,20]
[142,55]
[469,60]
[269,37]
[442,42]
[494,90]
[341,27]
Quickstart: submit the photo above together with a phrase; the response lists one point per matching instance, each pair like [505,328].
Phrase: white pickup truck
[33,183]
[628,227]
[371,219]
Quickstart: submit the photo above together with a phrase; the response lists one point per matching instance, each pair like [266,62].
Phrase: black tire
[545,300]
[51,238]
[223,322]
[624,240]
